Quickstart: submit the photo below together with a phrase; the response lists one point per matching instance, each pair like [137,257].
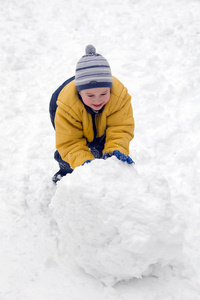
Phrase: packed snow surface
[109,230]
[118,227]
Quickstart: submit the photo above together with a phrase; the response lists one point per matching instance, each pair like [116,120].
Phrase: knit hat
[92,71]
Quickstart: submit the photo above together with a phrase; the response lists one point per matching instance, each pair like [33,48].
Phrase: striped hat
[92,71]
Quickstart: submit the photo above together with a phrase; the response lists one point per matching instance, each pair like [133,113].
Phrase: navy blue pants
[96,147]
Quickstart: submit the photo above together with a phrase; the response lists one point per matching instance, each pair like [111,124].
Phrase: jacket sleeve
[120,126]
[70,141]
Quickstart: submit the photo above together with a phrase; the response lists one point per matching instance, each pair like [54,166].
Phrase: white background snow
[153,47]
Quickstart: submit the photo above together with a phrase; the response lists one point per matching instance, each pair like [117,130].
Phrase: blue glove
[106,155]
[120,156]
[86,162]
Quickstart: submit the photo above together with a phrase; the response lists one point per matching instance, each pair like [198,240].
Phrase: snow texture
[116,228]
[109,230]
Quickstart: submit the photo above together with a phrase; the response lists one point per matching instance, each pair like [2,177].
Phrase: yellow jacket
[74,127]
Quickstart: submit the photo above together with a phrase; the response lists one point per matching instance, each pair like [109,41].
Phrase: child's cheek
[107,99]
[87,101]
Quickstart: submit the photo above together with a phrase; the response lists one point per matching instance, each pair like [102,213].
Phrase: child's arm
[70,141]
[120,127]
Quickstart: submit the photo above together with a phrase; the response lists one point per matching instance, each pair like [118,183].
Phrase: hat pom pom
[90,49]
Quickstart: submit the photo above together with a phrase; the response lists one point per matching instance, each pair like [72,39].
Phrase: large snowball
[114,223]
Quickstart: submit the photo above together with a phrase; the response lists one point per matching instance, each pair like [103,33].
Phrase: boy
[92,115]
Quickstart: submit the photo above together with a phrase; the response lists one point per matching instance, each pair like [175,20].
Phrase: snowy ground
[154,48]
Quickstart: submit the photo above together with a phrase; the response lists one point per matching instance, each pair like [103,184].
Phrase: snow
[117,229]
[109,230]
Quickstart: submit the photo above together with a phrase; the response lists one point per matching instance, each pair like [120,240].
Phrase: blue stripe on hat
[94,66]
[92,85]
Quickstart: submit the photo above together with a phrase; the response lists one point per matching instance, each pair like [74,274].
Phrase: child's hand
[86,162]
[123,157]
[120,156]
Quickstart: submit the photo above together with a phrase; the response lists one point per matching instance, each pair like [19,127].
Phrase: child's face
[96,98]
